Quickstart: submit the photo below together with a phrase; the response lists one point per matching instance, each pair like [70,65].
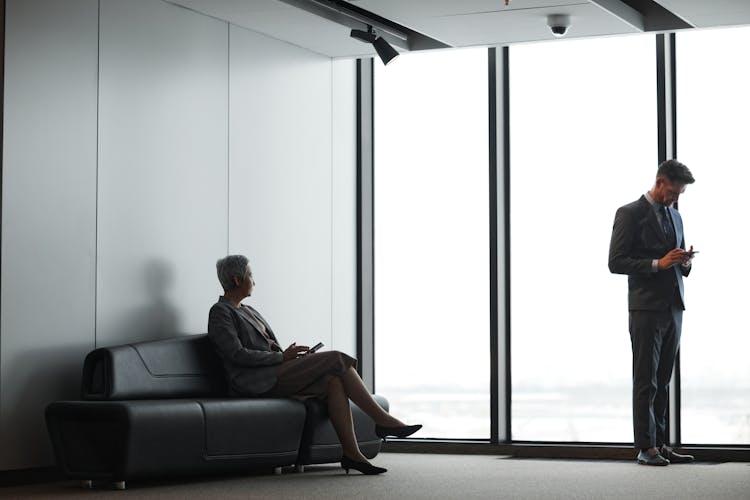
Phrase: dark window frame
[500,440]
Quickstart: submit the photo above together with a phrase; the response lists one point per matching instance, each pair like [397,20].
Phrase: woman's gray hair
[229,267]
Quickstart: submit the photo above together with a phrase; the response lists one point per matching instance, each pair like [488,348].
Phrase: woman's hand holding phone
[294,351]
[315,348]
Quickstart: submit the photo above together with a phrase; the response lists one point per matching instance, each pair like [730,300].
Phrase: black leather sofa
[160,408]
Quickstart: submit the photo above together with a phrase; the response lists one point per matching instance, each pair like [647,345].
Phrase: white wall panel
[48,217]
[118,245]
[280,181]
[344,221]
[162,219]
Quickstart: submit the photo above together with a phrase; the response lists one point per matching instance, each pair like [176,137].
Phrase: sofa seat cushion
[247,427]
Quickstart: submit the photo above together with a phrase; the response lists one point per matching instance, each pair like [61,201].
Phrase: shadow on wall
[158,317]
[45,374]
[40,376]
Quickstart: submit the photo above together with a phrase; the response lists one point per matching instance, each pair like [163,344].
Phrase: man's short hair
[675,172]
[229,267]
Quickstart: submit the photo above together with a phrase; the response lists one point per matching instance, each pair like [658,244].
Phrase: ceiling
[472,22]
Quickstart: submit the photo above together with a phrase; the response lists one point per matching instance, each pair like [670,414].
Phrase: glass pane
[713,78]
[431,241]
[583,143]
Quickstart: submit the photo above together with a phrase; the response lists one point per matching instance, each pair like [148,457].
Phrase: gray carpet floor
[456,477]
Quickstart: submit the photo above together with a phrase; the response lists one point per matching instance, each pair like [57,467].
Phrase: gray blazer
[638,239]
[250,363]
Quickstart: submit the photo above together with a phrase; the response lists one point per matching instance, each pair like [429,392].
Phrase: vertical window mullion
[667,132]
[506,237]
[499,165]
[365,224]
[495,391]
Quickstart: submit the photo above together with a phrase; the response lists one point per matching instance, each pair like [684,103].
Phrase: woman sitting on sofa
[256,365]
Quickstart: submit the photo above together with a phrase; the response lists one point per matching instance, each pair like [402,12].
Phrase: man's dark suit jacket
[250,363]
[638,239]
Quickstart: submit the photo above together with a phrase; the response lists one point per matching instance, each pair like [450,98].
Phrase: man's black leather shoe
[645,459]
[675,458]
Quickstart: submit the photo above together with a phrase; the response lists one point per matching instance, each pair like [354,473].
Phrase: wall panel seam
[2,174]
[333,201]
[96,173]
[229,124]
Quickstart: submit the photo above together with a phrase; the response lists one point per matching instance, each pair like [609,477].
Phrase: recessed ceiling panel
[420,9]
[458,23]
[515,25]
[706,13]
[286,23]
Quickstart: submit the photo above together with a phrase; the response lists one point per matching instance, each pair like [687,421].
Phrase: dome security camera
[558,24]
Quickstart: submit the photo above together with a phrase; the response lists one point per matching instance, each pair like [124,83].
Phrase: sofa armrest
[88,438]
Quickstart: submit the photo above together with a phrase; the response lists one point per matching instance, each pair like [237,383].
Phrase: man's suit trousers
[655,339]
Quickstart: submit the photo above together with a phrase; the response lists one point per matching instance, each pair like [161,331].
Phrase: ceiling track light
[384,49]
[364,36]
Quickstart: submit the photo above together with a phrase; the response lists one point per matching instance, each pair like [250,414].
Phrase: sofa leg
[299,468]
[87,484]
[119,485]
[277,471]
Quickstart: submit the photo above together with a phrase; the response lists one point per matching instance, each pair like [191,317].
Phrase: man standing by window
[648,245]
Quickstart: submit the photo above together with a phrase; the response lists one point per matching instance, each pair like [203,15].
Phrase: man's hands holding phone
[676,256]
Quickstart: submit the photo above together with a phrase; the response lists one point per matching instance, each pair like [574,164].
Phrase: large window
[431,241]
[583,142]
[713,78]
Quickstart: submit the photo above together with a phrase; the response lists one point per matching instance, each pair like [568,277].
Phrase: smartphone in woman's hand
[315,347]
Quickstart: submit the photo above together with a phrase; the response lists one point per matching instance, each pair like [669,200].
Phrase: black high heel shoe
[363,467]
[399,431]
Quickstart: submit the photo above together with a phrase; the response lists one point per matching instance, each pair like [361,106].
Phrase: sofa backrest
[174,368]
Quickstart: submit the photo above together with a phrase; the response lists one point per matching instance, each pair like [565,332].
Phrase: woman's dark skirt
[308,376]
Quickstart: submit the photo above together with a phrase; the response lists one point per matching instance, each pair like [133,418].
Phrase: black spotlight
[384,50]
[381,45]
[364,36]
